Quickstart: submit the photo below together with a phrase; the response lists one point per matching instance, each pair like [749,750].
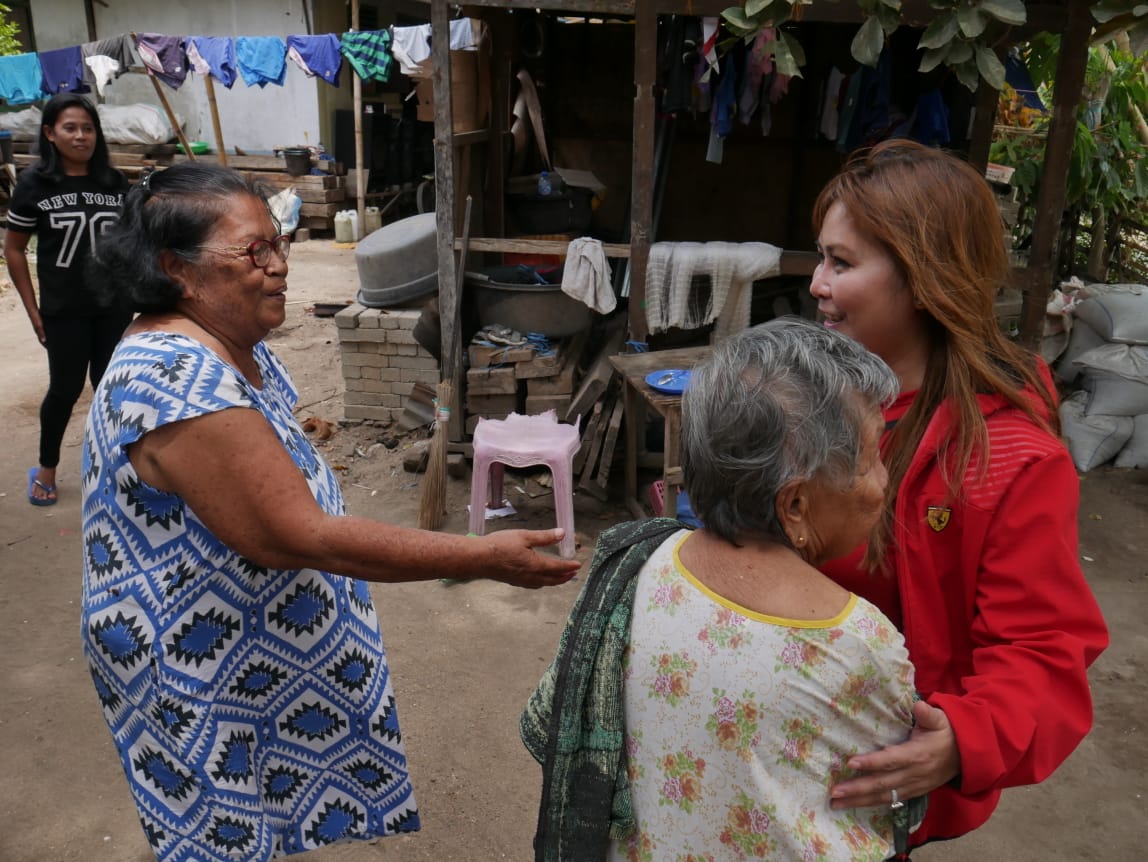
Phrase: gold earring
[800,541]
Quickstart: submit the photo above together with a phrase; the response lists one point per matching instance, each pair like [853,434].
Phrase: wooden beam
[357,107]
[1046,17]
[450,354]
[1070,68]
[984,119]
[642,170]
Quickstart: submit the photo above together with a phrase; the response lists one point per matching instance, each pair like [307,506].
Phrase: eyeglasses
[259,250]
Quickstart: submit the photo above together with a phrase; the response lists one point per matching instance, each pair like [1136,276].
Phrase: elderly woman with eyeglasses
[226,620]
[711,685]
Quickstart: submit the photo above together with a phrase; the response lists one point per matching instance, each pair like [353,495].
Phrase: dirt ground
[465,657]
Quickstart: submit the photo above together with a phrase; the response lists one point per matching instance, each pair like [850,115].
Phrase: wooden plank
[491,381]
[482,356]
[589,429]
[322,210]
[307,181]
[599,374]
[317,223]
[538,246]
[606,461]
[596,441]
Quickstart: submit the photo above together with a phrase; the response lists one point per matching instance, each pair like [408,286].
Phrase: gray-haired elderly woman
[711,684]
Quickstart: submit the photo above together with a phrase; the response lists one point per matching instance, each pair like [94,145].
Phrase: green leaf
[892,4]
[890,19]
[787,64]
[967,74]
[941,31]
[1006,11]
[972,20]
[934,57]
[753,7]
[867,44]
[960,52]
[990,67]
[795,49]
[736,16]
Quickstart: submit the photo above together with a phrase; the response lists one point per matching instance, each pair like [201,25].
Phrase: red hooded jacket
[998,618]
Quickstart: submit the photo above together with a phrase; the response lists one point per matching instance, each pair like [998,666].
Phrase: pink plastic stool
[521,441]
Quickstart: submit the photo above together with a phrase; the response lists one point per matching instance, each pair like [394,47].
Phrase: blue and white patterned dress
[252,708]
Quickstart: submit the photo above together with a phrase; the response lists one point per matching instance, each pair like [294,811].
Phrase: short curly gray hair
[775,403]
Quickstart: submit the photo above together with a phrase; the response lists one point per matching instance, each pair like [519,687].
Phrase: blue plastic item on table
[671,381]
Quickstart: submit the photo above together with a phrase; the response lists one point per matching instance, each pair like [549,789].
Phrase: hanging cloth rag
[931,119]
[411,46]
[215,56]
[731,268]
[369,53]
[63,70]
[106,59]
[164,57]
[21,79]
[587,276]
[318,56]
[262,60]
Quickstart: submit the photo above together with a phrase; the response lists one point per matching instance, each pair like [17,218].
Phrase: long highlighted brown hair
[938,220]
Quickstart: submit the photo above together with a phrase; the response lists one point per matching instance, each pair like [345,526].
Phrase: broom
[432,504]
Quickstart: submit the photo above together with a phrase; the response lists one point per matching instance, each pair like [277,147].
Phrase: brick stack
[503,380]
[382,362]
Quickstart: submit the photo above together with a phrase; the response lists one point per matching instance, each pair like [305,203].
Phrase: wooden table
[639,396]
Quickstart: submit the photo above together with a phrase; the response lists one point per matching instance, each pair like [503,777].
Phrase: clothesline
[258,60]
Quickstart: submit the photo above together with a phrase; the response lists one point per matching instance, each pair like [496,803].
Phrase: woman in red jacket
[976,555]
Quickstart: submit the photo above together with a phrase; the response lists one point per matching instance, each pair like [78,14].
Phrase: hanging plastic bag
[285,207]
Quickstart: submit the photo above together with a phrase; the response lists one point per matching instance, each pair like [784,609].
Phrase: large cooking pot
[505,295]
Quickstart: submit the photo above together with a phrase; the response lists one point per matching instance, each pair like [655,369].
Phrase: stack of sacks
[1107,357]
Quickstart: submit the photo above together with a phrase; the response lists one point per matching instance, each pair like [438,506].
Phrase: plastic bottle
[343,227]
[373,220]
[353,215]
[544,187]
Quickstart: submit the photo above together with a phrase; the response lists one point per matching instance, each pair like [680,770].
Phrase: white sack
[1119,315]
[1092,440]
[1135,451]
[1116,377]
[1081,339]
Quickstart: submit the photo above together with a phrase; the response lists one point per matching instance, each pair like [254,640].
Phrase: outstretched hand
[923,763]
[514,560]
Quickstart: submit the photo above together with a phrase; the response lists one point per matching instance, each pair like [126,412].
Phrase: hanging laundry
[106,59]
[63,70]
[831,106]
[215,56]
[21,79]
[262,60]
[411,46]
[725,97]
[318,56]
[931,119]
[462,34]
[731,267]
[369,53]
[680,57]
[758,68]
[164,57]
[587,276]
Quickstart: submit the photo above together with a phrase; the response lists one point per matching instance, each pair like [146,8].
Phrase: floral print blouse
[737,724]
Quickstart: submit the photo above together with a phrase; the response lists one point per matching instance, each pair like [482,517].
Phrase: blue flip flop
[33,483]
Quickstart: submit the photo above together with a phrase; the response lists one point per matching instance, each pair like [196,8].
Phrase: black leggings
[76,346]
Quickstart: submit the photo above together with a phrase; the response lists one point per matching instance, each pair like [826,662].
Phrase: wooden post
[981,136]
[450,354]
[220,148]
[1070,69]
[357,96]
[642,172]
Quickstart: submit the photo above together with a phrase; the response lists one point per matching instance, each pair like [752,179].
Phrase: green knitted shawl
[573,723]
